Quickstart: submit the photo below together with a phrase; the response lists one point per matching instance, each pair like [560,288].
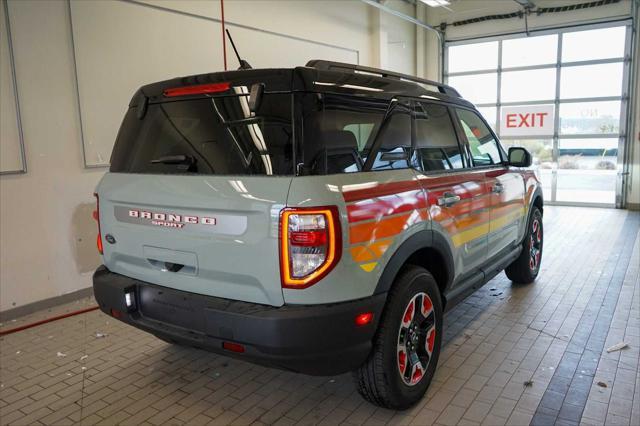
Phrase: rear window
[212,136]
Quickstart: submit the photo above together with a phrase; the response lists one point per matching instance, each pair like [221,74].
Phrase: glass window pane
[436,143]
[590,118]
[484,148]
[589,81]
[542,152]
[471,57]
[479,88]
[396,141]
[521,52]
[533,85]
[593,44]
[587,170]
[489,114]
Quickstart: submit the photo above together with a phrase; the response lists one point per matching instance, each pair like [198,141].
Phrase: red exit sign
[534,120]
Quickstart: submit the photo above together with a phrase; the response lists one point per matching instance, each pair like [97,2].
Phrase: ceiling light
[436,3]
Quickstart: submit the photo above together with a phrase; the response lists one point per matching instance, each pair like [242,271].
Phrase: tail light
[310,245]
[96,216]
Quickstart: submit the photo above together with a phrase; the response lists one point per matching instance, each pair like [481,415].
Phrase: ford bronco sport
[318,219]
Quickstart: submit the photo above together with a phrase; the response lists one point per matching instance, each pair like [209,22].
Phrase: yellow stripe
[481,230]
[368,267]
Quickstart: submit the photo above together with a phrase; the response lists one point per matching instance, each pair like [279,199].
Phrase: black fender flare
[418,241]
[537,193]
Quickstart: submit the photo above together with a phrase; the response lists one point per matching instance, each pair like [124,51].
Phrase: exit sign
[535,120]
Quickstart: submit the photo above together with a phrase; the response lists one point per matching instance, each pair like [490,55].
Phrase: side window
[337,131]
[362,132]
[484,147]
[436,143]
[395,141]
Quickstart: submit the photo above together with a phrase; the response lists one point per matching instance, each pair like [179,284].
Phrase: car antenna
[244,65]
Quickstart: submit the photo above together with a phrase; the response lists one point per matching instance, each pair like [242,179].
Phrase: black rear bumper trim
[311,339]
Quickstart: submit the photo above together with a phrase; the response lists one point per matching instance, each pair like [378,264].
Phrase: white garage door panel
[121,46]
[11,159]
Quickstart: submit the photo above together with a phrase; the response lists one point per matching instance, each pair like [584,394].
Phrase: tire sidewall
[535,214]
[417,280]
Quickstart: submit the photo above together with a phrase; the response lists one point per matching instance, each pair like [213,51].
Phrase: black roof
[316,76]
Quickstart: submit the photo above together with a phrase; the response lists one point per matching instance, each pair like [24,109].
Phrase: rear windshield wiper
[184,162]
[174,159]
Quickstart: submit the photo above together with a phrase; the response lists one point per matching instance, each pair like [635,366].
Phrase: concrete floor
[552,335]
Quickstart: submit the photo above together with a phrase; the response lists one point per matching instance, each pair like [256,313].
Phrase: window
[395,141]
[593,44]
[601,118]
[477,88]
[531,85]
[212,136]
[436,143]
[472,57]
[338,131]
[589,81]
[484,147]
[521,52]
[584,73]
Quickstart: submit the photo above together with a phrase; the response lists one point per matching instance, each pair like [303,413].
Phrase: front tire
[526,267]
[407,345]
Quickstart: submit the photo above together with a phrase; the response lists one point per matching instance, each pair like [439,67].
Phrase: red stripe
[379,190]
[386,205]
[44,321]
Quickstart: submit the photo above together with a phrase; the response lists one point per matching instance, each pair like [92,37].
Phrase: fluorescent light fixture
[128,300]
[436,3]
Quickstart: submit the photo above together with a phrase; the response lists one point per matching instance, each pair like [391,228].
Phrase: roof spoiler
[323,65]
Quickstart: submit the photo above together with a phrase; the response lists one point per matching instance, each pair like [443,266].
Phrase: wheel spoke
[416,372]
[430,340]
[402,361]
[409,314]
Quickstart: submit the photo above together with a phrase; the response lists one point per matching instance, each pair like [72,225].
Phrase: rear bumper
[311,339]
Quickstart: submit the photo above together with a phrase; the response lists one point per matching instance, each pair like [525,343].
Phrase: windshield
[212,136]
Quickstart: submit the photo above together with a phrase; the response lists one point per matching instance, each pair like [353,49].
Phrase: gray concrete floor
[551,335]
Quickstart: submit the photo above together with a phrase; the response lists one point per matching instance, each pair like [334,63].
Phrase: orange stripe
[365,232]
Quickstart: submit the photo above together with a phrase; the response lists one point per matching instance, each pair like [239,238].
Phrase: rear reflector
[233,347]
[364,319]
[96,216]
[197,89]
[116,313]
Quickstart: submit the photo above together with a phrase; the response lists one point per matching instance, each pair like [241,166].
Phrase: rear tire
[411,324]
[526,267]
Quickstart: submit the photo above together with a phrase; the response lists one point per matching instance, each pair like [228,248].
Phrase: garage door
[562,94]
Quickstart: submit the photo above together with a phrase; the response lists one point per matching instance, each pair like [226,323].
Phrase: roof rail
[321,64]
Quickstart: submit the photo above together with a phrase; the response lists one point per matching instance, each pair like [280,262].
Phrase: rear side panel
[378,212]
[211,235]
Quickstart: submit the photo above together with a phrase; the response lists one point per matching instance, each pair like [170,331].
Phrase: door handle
[448,199]
[497,188]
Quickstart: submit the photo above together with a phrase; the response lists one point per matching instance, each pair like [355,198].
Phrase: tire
[380,380]
[526,267]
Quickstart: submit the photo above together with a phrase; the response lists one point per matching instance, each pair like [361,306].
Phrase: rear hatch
[193,196]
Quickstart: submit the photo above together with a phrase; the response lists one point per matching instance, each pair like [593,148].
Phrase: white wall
[47,236]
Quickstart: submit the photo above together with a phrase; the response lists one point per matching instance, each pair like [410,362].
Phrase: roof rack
[321,64]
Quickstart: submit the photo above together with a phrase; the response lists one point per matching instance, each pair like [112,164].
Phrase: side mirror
[519,157]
